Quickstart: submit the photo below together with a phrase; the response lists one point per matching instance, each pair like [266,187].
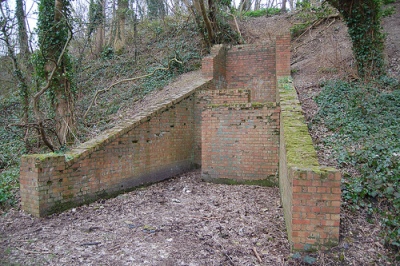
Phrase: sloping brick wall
[155,145]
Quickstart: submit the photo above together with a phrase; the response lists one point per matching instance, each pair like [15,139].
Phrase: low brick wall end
[310,194]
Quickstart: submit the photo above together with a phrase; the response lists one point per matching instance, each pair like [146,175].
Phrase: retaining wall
[240,142]
[310,193]
[154,145]
[232,121]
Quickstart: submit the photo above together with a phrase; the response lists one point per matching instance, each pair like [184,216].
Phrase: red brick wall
[157,145]
[214,66]
[310,194]
[252,67]
[315,208]
[240,142]
[283,55]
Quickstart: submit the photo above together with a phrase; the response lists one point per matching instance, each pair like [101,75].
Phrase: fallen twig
[257,255]
[316,23]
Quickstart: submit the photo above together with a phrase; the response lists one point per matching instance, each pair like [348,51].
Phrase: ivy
[363,19]
[365,123]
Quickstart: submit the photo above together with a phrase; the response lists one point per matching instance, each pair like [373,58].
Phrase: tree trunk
[363,19]
[25,54]
[119,42]
[100,32]
[207,22]
[291,3]
[63,103]
[283,8]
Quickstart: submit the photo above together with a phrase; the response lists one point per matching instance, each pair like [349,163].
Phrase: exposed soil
[183,221]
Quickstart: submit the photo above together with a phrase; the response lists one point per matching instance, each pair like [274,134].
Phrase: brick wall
[252,67]
[240,142]
[155,145]
[233,123]
[310,193]
[214,66]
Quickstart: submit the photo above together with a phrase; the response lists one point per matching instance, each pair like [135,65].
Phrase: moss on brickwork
[300,150]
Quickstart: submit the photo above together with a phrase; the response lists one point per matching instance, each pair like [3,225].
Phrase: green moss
[300,150]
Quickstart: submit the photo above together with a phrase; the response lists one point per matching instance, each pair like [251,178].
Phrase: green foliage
[365,122]
[11,142]
[107,53]
[8,187]
[262,12]
[52,35]
[388,11]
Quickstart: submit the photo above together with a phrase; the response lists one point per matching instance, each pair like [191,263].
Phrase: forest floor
[184,221]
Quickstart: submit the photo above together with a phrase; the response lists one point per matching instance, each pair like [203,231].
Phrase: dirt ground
[184,221]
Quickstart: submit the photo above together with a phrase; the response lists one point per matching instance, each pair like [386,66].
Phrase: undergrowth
[12,147]
[365,123]
[9,185]
[262,12]
[308,15]
[158,42]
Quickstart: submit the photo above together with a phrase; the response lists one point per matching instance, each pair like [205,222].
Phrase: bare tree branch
[126,80]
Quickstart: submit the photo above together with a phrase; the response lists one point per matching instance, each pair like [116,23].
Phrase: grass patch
[365,123]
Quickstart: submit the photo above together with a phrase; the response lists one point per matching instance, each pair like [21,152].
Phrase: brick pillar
[283,55]
[316,208]
[37,175]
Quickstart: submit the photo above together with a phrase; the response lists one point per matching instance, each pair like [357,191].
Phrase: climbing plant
[363,19]
[54,70]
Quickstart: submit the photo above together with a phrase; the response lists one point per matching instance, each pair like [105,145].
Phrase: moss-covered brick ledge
[310,193]
[156,144]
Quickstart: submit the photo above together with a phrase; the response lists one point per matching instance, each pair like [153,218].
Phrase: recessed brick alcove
[240,122]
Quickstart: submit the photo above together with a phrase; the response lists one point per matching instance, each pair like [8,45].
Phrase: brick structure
[155,145]
[253,68]
[241,142]
[233,123]
[310,193]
